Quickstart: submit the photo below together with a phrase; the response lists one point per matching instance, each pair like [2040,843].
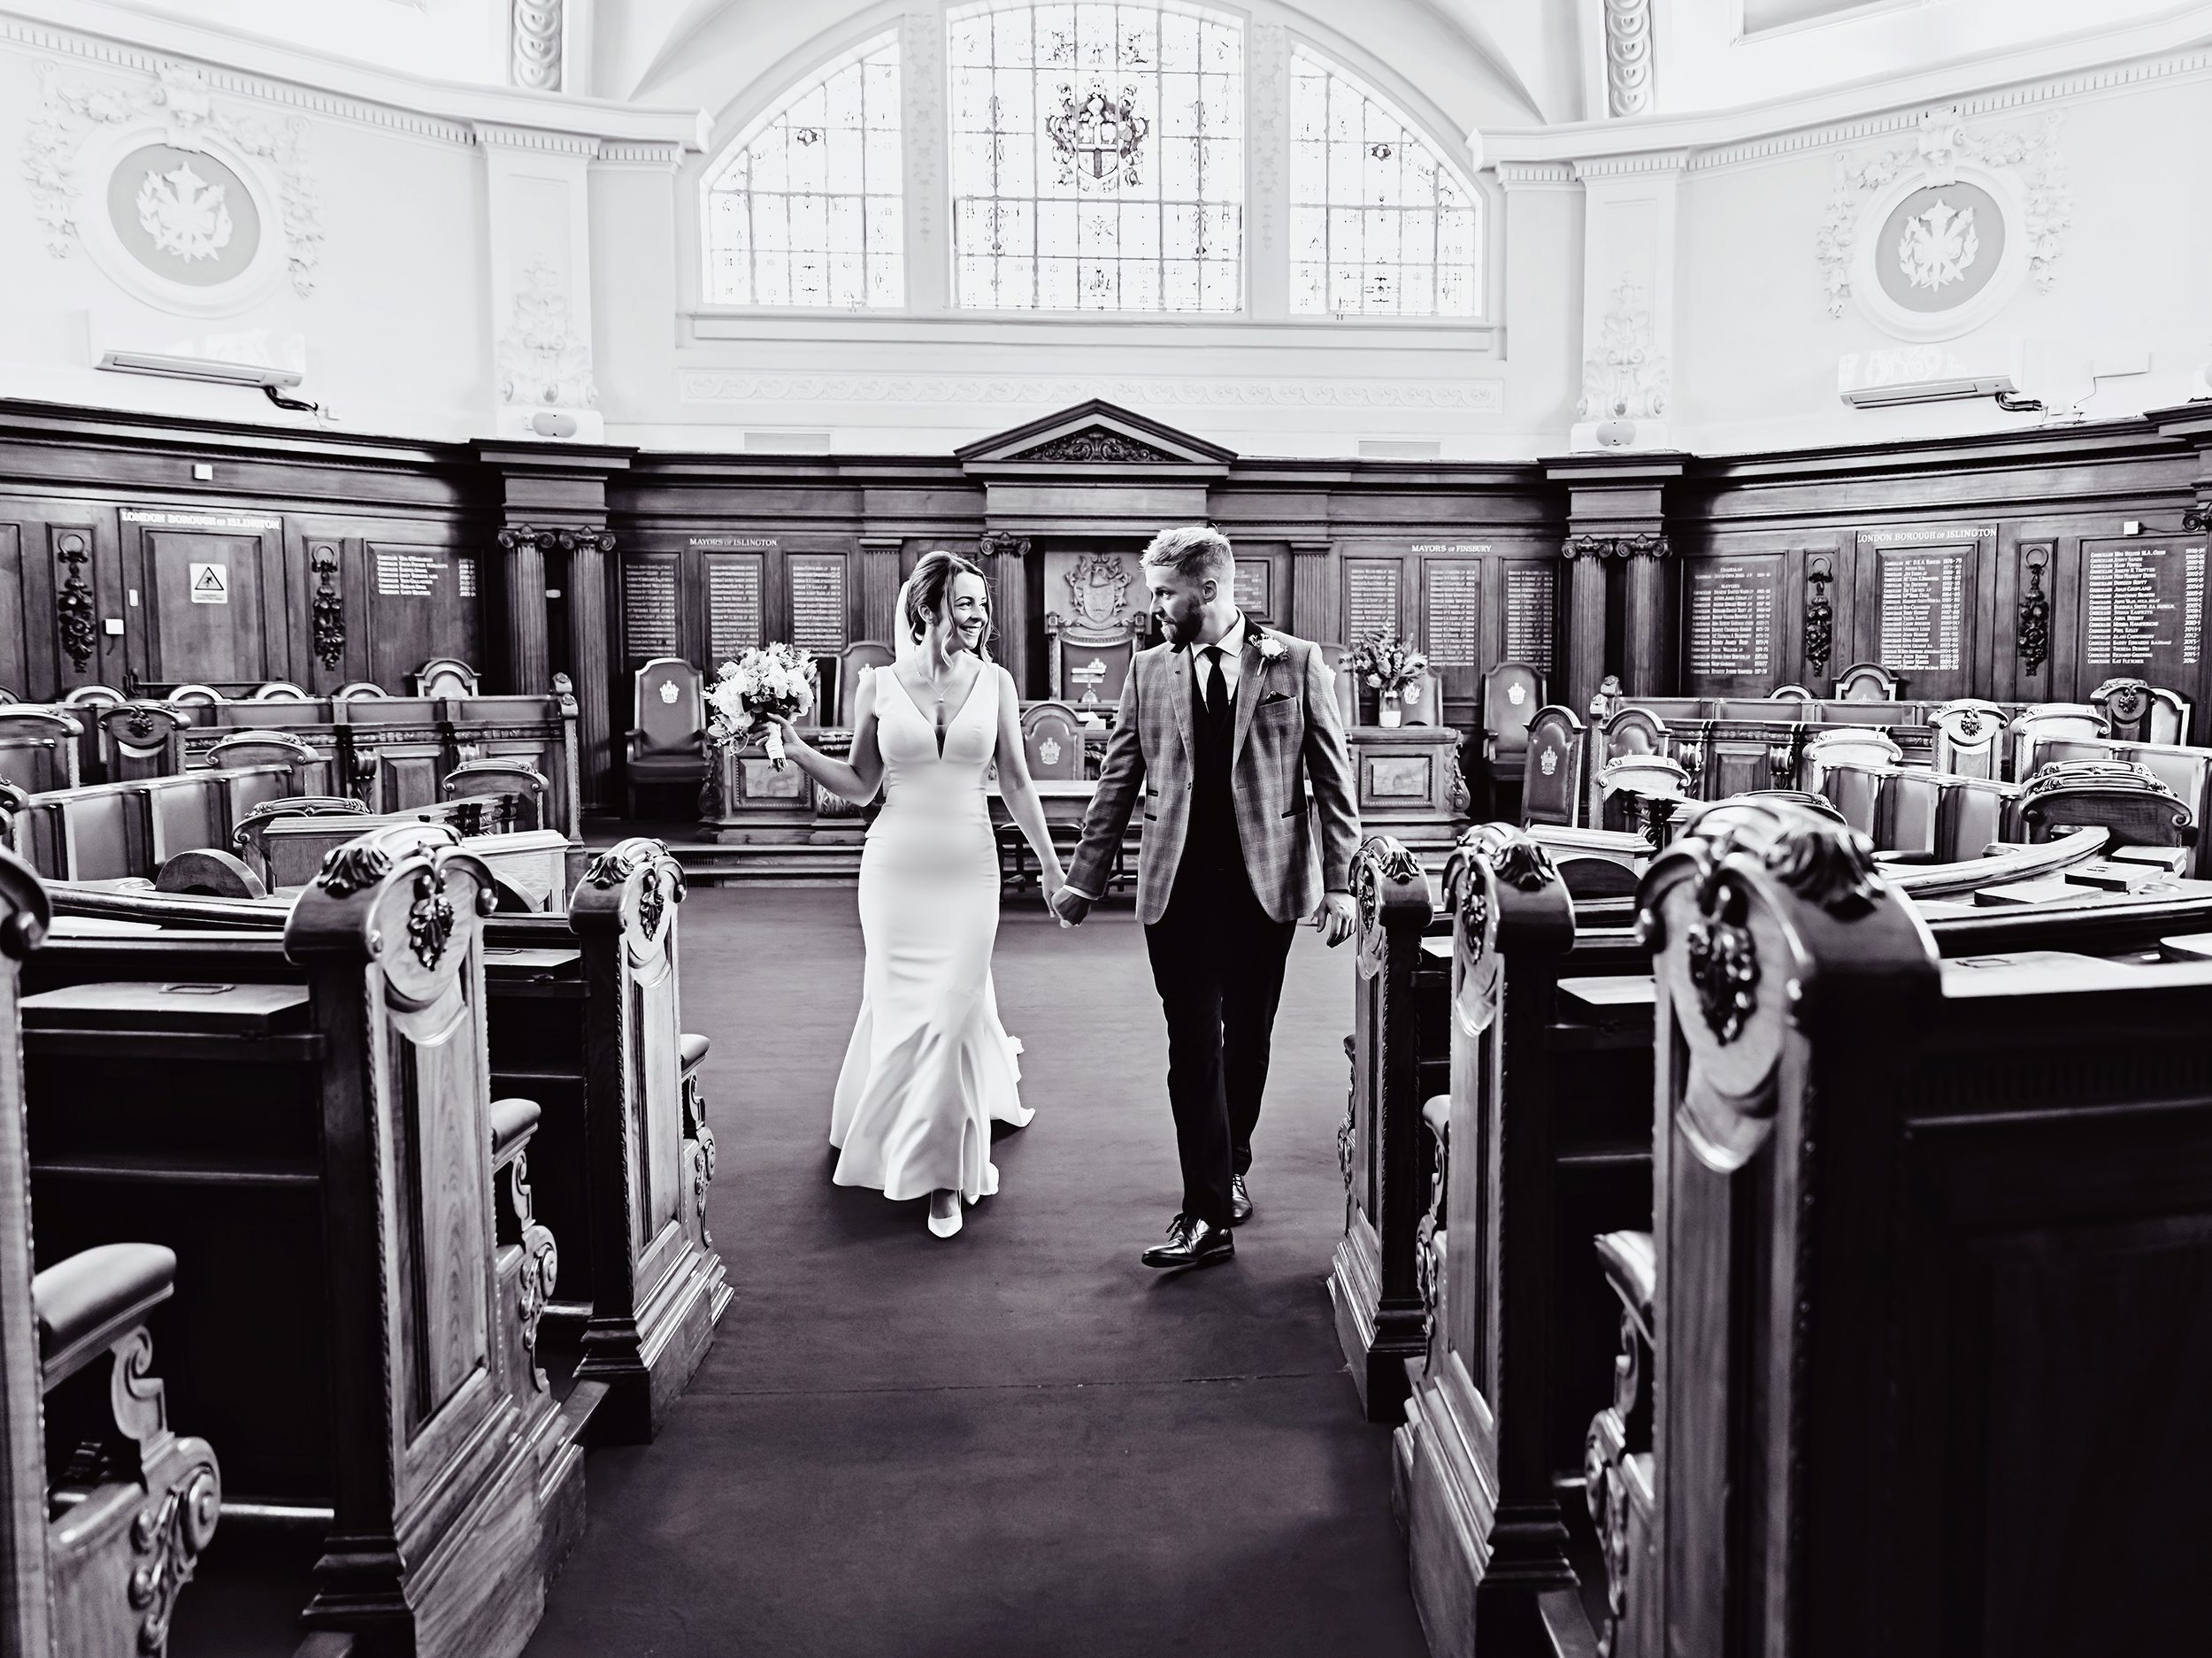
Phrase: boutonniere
[1272,648]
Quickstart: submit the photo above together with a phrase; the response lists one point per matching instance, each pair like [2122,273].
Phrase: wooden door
[212,607]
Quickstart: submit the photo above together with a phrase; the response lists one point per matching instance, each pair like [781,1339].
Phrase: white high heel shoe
[944,1213]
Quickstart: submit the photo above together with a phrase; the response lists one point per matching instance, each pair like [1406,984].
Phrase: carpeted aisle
[1018,1442]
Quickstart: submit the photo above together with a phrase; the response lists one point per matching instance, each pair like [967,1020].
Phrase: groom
[1221,729]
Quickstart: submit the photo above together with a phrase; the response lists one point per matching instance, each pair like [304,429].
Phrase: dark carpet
[1016,1442]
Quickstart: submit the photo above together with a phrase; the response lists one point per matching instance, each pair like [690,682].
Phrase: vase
[1392,714]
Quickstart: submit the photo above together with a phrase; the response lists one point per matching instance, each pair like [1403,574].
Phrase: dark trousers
[1217,962]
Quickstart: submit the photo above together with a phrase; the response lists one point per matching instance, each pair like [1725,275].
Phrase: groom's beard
[1185,632]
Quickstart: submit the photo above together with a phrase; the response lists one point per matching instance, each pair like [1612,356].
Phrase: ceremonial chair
[1844,745]
[862,657]
[1641,792]
[828,713]
[667,742]
[2043,722]
[1792,694]
[515,794]
[1343,686]
[312,773]
[1512,693]
[358,690]
[1426,707]
[2136,711]
[1552,768]
[1868,682]
[142,739]
[194,696]
[1968,738]
[1052,744]
[281,691]
[444,676]
[94,1554]
[1626,732]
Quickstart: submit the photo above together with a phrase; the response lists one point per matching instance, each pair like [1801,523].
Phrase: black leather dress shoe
[1240,1203]
[1192,1243]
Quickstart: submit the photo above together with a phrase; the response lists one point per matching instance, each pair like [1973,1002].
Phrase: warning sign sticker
[211,584]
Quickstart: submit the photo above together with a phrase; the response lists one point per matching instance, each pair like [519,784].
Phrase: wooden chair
[1512,693]
[1792,694]
[520,790]
[444,676]
[8,696]
[40,749]
[140,739]
[250,833]
[280,691]
[2045,722]
[862,657]
[1868,682]
[1641,792]
[1844,745]
[1052,743]
[1552,768]
[194,696]
[92,1563]
[667,742]
[1422,703]
[358,690]
[93,696]
[1342,686]
[2136,711]
[1969,740]
[312,773]
[2117,796]
[1626,732]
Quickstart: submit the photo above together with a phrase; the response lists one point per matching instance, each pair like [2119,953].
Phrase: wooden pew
[96,1552]
[1919,1302]
[1372,1282]
[332,1139]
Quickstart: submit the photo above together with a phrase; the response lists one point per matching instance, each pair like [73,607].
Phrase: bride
[929,1067]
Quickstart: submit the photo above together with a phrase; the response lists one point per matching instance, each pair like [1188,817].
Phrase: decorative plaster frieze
[1623,375]
[1640,164]
[1628,57]
[1268,63]
[544,360]
[666,158]
[501,135]
[718,385]
[535,42]
[179,96]
[921,68]
[1940,142]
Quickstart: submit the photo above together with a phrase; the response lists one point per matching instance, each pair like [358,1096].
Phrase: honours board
[649,606]
[1451,609]
[1371,597]
[1923,612]
[733,605]
[1732,606]
[1532,600]
[2142,610]
[817,601]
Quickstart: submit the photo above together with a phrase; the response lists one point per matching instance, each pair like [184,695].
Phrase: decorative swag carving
[2031,631]
[1097,445]
[1615,547]
[329,607]
[2197,519]
[72,605]
[1820,618]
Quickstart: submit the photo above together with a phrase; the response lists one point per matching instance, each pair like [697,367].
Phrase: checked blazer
[1288,733]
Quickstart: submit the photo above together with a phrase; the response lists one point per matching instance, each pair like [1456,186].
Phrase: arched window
[1379,224]
[1097,158]
[807,208]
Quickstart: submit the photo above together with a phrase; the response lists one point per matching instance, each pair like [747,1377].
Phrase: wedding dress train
[929,1068]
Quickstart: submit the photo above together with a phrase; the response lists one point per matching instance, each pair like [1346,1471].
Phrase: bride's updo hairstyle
[929,595]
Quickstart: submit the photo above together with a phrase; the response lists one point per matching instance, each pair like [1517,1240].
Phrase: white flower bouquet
[1388,664]
[767,681]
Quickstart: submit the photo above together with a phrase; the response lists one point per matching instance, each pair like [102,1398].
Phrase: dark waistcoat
[1211,842]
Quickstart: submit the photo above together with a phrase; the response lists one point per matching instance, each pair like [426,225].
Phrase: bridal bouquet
[1388,664]
[768,680]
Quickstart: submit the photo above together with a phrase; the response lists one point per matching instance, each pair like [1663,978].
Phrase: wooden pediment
[1094,434]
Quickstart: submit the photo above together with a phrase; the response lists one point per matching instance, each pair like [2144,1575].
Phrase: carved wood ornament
[1097,446]
[2032,633]
[72,605]
[329,609]
[1583,546]
[1820,616]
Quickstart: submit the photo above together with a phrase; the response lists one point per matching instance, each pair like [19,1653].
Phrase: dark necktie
[1217,693]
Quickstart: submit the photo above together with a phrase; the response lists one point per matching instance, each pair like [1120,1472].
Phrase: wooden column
[879,582]
[1585,663]
[555,497]
[1314,611]
[590,660]
[525,663]
[1006,561]
[1616,512]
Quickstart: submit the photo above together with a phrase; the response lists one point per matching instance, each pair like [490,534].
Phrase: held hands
[1069,905]
[1334,920]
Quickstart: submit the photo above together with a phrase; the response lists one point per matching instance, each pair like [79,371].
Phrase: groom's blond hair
[1197,551]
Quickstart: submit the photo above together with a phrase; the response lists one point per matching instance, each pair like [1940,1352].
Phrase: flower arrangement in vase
[1390,666]
[767,679]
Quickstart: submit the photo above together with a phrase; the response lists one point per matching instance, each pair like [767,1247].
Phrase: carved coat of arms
[1939,246]
[1098,592]
[184,214]
[1517,694]
[1547,761]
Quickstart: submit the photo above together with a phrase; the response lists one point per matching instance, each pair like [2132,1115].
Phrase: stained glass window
[1097,158]
[1379,224]
[807,207]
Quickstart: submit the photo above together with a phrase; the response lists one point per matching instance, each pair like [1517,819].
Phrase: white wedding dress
[929,1068]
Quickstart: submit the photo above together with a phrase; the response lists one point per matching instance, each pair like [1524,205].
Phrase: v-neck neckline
[915,703]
